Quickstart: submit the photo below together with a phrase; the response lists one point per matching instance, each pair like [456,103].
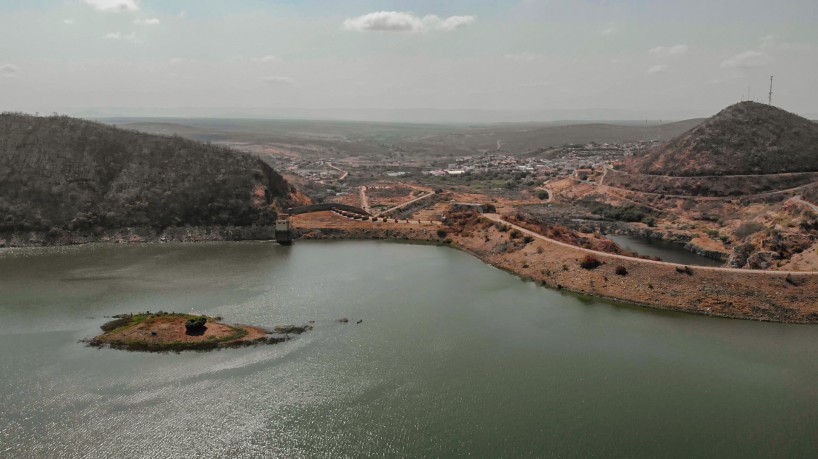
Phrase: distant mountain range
[415,115]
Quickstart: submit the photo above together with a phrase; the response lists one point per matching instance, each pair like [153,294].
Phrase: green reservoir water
[668,251]
[453,358]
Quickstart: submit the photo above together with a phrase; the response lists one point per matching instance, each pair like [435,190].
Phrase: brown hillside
[60,173]
[745,138]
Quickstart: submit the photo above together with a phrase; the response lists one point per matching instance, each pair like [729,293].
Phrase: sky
[513,58]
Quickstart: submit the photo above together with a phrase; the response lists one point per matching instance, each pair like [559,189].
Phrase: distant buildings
[583,174]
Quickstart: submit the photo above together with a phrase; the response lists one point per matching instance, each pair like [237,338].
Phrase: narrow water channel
[668,251]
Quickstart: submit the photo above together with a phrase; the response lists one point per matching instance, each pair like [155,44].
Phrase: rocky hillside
[745,138]
[63,174]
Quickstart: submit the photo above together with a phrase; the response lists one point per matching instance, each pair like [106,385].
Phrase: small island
[167,331]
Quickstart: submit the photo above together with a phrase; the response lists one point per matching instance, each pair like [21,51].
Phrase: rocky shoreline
[739,294]
[138,235]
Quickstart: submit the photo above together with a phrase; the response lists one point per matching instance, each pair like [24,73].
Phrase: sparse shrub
[621,271]
[792,281]
[528,238]
[684,270]
[195,325]
[514,234]
[748,229]
[120,321]
[590,262]
[441,233]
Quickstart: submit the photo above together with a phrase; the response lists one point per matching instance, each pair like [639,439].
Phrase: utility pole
[770,96]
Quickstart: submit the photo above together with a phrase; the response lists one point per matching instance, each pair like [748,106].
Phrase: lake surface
[453,358]
[668,251]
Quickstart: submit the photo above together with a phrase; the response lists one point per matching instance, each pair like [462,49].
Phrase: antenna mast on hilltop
[770,96]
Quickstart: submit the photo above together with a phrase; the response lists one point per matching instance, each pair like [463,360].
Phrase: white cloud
[659,68]
[771,43]
[397,21]
[608,30]
[8,70]
[665,51]
[268,58]
[69,21]
[523,56]
[181,60]
[747,59]
[119,36]
[113,5]
[147,22]
[279,80]
[451,22]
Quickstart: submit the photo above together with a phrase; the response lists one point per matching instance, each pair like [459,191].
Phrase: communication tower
[770,95]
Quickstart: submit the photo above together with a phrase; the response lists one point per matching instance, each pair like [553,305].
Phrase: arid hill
[60,173]
[745,138]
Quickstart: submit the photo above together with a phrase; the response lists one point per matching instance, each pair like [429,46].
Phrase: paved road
[499,219]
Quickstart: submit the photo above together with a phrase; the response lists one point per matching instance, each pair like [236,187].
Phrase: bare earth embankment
[734,293]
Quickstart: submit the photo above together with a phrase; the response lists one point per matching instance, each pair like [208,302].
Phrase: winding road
[498,219]
[800,200]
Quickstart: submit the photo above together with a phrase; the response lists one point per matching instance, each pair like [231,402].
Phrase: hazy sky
[193,56]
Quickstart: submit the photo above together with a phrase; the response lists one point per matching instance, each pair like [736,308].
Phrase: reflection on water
[668,251]
[453,357]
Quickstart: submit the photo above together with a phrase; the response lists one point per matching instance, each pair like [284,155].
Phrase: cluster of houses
[315,170]
[578,161]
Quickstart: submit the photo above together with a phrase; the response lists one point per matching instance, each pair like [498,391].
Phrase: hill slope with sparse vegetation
[745,138]
[65,174]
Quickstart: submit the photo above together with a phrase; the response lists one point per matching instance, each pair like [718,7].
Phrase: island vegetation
[175,332]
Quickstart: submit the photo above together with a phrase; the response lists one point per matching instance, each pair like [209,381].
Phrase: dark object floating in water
[344,320]
[359,321]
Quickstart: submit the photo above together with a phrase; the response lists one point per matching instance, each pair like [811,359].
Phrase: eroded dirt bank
[744,294]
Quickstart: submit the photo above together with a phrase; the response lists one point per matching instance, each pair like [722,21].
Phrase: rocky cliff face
[745,138]
[62,174]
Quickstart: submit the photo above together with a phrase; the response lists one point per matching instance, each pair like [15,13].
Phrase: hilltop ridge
[744,138]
